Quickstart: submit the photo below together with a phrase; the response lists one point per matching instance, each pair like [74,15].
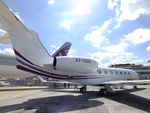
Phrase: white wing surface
[131,82]
[25,42]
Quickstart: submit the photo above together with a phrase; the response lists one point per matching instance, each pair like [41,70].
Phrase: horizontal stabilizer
[63,50]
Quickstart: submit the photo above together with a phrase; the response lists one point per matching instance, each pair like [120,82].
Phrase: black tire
[103,92]
[83,90]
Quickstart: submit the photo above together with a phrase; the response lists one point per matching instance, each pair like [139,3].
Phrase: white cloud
[148,48]
[8,51]
[54,46]
[117,48]
[116,53]
[50,2]
[138,36]
[72,52]
[129,9]
[79,8]
[112,4]
[82,7]
[96,36]
[106,58]
[66,24]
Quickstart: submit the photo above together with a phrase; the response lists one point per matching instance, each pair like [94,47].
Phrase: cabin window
[128,73]
[111,72]
[116,72]
[99,71]
[120,73]
[125,73]
[105,72]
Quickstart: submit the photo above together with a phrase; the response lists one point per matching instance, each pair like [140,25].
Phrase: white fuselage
[86,71]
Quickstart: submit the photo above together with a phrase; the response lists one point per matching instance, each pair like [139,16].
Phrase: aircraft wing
[26,44]
[130,82]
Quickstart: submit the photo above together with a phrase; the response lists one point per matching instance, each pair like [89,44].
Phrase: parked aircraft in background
[8,63]
[33,58]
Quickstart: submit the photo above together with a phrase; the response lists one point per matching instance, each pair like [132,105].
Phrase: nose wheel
[83,89]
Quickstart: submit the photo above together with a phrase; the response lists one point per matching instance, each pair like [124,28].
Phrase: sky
[108,31]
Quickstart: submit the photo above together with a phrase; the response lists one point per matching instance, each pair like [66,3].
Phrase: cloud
[51,2]
[107,57]
[117,53]
[82,8]
[129,9]
[96,35]
[138,36]
[66,24]
[79,8]
[148,48]
[72,52]
[8,51]
[54,46]
[116,48]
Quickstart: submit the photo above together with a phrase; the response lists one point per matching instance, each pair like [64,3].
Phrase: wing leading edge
[131,82]
[25,42]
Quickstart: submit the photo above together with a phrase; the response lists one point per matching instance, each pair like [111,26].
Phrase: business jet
[32,57]
[8,62]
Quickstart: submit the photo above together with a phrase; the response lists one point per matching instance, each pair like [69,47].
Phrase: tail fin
[63,50]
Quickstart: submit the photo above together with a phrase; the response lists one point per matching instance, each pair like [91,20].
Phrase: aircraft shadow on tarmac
[68,103]
[125,97]
[56,104]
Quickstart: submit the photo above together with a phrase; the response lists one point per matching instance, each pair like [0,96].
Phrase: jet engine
[75,65]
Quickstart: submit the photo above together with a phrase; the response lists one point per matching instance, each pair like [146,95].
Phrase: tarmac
[49,100]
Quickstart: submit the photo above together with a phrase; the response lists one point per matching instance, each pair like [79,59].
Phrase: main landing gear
[103,91]
[135,87]
[107,89]
[83,89]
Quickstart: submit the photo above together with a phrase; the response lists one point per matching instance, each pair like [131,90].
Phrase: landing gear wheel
[83,89]
[103,92]
[135,87]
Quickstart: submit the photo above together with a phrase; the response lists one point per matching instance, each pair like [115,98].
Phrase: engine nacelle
[75,65]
